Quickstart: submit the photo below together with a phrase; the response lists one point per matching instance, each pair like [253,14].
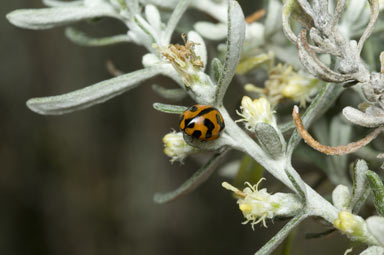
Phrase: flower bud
[259,205]
[341,197]
[354,227]
[256,111]
[176,148]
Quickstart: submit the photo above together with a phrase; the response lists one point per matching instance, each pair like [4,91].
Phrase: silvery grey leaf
[362,119]
[374,6]
[353,11]
[377,187]
[235,39]
[177,13]
[269,139]
[275,241]
[339,133]
[373,250]
[56,3]
[273,19]
[169,108]
[57,16]
[152,15]
[307,8]
[309,59]
[341,197]
[297,182]
[91,95]
[376,227]
[171,94]
[216,69]
[360,184]
[81,38]
[193,182]
[147,29]
[210,30]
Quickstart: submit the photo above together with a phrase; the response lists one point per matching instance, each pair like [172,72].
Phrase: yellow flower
[256,111]
[350,224]
[259,205]
[176,148]
[284,82]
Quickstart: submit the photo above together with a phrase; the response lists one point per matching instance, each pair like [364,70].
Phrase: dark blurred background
[82,183]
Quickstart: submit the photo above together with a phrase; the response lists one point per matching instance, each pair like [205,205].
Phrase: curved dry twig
[330,150]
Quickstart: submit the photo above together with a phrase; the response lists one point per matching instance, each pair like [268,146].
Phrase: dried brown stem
[330,150]
[255,16]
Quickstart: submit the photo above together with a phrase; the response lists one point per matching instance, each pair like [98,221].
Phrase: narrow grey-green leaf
[296,184]
[56,3]
[57,16]
[377,187]
[192,183]
[273,21]
[362,119]
[216,69]
[91,95]
[81,38]
[169,108]
[235,39]
[177,13]
[269,139]
[360,184]
[275,241]
[171,94]
[340,133]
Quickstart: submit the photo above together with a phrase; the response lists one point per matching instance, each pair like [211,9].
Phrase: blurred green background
[83,183]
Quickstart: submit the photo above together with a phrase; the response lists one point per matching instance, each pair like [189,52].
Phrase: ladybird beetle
[203,122]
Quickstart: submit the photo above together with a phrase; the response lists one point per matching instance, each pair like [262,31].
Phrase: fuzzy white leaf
[152,15]
[210,30]
[341,197]
[177,13]
[56,3]
[83,39]
[273,20]
[91,95]
[58,16]
[235,40]
[373,250]
[362,119]
[376,227]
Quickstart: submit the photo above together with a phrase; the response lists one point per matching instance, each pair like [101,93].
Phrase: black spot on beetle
[187,121]
[208,123]
[205,111]
[221,123]
[191,125]
[196,134]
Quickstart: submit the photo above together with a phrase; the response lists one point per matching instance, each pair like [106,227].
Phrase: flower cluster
[284,82]
[256,111]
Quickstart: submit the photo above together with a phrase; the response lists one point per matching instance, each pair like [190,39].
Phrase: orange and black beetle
[203,122]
